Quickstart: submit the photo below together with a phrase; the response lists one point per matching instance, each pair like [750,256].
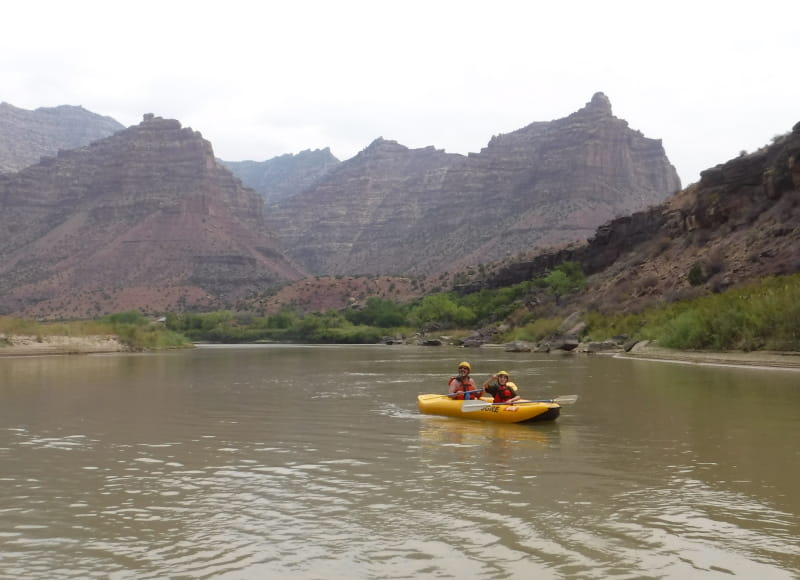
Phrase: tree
[564,279]
[442,309]
[378,312]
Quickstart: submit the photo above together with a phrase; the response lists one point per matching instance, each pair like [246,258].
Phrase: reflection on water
[312,462]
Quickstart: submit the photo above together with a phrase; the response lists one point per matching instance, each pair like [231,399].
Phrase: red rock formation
[353,219]
[739,223]
[393,210]
[143,219]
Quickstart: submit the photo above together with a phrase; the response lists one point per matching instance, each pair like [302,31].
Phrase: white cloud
[262,79]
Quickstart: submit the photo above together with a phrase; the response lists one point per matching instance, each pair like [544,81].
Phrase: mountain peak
[387,144]
[26,136]
[600,105]
[142,219]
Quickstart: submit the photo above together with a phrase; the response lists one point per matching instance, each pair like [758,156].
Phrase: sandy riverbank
[21,345]
[24,345]
[758,359]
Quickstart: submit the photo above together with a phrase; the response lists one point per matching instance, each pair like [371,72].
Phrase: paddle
[464,393]
[468,406]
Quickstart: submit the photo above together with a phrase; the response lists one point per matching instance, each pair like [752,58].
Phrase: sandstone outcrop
[740,222]
[143,219]
[26,136]
[391,209]
[363,217]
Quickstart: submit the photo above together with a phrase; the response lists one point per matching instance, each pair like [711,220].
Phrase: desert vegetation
[379,317]
[763,315]
[132,329]
[760,316]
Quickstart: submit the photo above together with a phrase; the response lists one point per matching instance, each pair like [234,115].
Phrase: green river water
[313,462]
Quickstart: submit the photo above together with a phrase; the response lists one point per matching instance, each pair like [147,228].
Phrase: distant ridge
[282,177]
[26,136]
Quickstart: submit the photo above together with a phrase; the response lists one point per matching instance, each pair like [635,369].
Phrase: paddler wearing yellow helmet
[501,388]
[462,387]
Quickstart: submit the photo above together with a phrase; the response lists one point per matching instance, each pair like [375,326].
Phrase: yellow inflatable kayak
[485,410]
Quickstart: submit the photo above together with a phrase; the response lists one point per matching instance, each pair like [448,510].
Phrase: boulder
[518,346]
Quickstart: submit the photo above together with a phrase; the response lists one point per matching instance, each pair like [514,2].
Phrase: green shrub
[378,312]
[441,309]
[131,328]
[761,315]
[534,331]
[696,276]
[129,317]
[564,279]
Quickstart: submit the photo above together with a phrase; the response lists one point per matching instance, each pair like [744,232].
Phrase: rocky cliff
[395,210]
[26,136]
[143,219]
[740,222]
[282,177]
[357,217]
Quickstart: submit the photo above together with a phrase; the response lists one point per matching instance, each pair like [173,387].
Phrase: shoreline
[24,345]
[769,360]
[17,345]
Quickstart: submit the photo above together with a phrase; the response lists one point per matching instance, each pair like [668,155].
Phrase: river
[285,461]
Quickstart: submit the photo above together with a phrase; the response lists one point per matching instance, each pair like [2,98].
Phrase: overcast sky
[260,79]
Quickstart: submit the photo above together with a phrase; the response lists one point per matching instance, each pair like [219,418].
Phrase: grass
[764,315]
[760,316]
[131,328]
[533,331]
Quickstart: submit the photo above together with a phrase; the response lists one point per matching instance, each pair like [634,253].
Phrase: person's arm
[452,386]
[491,386]
[516,396]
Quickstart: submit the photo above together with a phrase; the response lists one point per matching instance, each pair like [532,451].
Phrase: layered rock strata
[393,210]
[143,219]
[740,222]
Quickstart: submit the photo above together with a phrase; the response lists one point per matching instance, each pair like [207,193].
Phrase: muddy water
[313,462]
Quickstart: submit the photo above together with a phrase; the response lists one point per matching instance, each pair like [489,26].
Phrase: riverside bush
[148,337]
[11,325]
[761,315]
[131,328]
[534,331]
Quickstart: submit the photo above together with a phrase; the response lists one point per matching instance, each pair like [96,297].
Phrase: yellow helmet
[503,374]
[465,364]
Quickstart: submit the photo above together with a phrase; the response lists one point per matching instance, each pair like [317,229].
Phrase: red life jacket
[504,393]
[462,387]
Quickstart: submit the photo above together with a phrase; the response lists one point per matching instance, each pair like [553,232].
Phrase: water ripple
[244,471]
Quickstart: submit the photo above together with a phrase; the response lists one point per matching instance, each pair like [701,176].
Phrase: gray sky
[259,79]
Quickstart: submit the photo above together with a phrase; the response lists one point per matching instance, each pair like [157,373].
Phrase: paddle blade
[561,400]
[566,399]
[468,406]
